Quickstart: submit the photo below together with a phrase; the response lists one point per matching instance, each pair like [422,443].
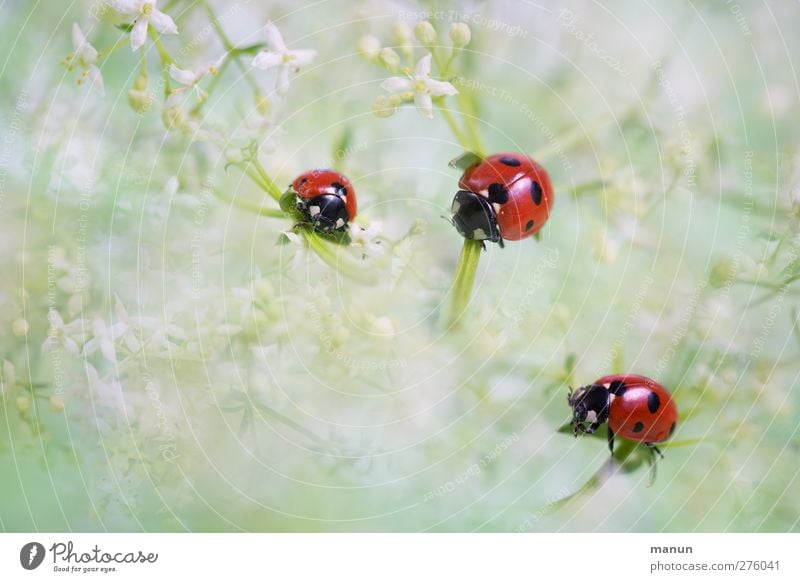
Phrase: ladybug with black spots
[324,198]
[636,408]
[502,197]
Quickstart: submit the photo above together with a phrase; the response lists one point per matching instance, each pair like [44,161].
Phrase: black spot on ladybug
[303,180]
[671,429]
[498,194]
[339,188]
[653,402]
[509,161]
[529,225]
[617,387]
[638,427]
[536,192]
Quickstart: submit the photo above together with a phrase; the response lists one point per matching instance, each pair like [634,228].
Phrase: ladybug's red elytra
[636,408]
[325,198]
[506,196]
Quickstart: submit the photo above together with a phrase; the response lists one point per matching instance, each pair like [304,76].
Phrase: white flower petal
[108,350]
[89,347]
[139,34]
[71,346]
[126,6]
[274,38]
[397,85]
[78,38]
[176,98]
[423,68]
[96,80]
[267,60]
[162,22]
[182,76]
[424,103]
[283,80]
[302,56]
[87,55]
[56,322]
[439,88]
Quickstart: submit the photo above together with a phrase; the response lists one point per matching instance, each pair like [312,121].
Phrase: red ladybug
[502,197]
[325,198]
[635,407]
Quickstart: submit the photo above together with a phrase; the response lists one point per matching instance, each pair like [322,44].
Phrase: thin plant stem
[464,280]
[451,122]
[340,262]
[226,42]
[251,206]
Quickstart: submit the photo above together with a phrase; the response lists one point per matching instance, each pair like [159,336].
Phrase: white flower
[190,78]
[146,15]
[103,339]
[369,238]
[421,85]
[280,56]
[85,55]
[69,335]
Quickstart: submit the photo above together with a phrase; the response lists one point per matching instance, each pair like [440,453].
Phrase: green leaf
[250,49]
[465,160]
[125,26]
[287,201]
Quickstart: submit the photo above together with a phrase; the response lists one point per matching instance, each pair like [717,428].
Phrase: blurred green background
[211,379]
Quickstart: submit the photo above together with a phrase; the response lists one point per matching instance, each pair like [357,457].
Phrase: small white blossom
[85,55]
[104,338]
[190,78]
[368,238]
[69,336]
[147,14]
[421,86]
[281,57]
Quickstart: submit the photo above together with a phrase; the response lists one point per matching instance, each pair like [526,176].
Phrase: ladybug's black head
[326,213]
[589,405]
[474,217]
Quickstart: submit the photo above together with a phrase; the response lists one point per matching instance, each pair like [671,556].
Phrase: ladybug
[503,197]
[325,199]
[635,407]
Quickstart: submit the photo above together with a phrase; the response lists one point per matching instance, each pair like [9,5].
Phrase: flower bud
[23,404]
[383,326]
[56,403]
[234,155]
[389,58]
[425,33]
[139,96]
[20,327]
[400,33]
[460,34]
[263,104]
[722,272]
[383,106]
[174,118]
[369,46]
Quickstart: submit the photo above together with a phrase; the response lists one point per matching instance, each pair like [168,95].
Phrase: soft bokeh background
[223,381]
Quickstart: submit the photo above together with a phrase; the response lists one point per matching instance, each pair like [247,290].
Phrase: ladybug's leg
[655,449]
[593,428]
[611,440]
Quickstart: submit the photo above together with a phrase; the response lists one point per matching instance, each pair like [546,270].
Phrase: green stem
[464,280]
[251,206]
[229,46]
[337,260]
[459,135]
[468,114]
[110,49]
[166,60]
[271,187]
